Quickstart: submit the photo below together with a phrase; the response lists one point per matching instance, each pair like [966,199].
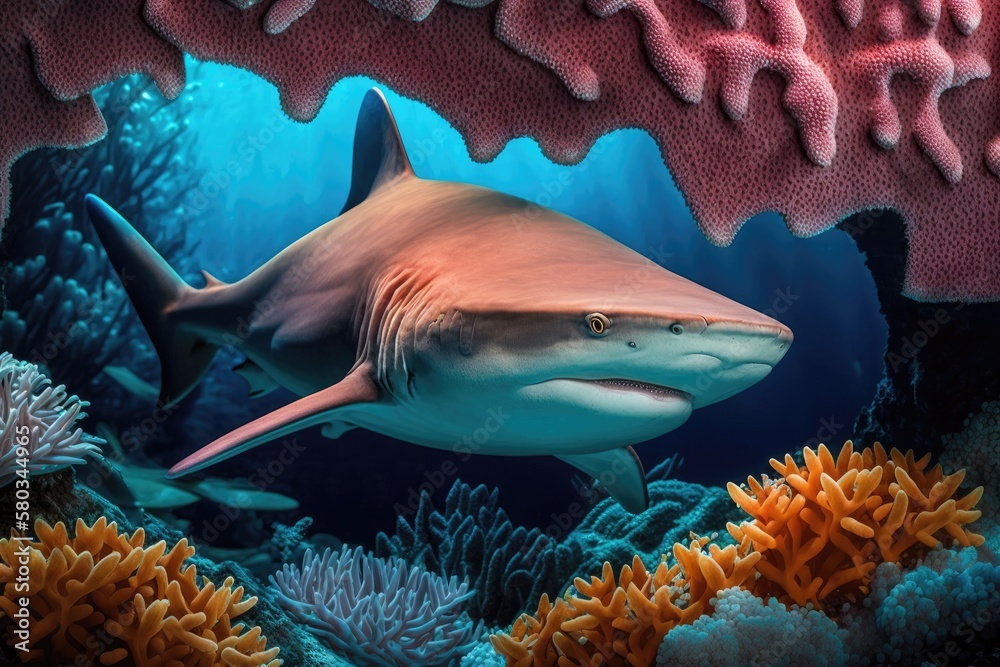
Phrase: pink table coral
[817,109]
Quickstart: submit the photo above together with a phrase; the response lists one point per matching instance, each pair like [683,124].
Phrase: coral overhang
[817,109]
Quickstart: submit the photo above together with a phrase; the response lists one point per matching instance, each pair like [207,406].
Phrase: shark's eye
[598,323]
[676,328]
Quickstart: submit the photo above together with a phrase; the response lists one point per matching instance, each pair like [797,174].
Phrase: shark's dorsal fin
[379,156]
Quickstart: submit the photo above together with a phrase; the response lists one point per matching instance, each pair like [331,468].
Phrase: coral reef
[54,54]
[947,608]
[38,423]
[608,533]
[621,623]
[976,448]
[268,551]
[815,536]
[852,136]
[483,655]
[60,496]
[745,630]
[841,133]
[378,612]
[65,308]
[507,567]
[108,597]
[823,527]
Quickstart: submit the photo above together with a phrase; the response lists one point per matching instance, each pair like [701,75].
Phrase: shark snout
[732,356]
[745,343]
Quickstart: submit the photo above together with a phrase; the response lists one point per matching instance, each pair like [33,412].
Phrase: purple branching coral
[39,418]
[379,612]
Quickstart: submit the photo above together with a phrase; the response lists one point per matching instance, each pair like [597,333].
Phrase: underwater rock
[509,567]
[608,533]
[941,361]
[745,630]
[384,613]
[38,431]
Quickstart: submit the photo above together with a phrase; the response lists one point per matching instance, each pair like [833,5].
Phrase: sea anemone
[37,423]
[378,612]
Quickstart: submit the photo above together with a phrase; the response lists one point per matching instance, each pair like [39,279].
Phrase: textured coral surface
[817,108]
[53,53]
[380,613]
[823,527]
[621,622]
[107,598]
[852,134]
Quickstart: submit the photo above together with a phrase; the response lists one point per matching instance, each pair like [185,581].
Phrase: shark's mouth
[653,390]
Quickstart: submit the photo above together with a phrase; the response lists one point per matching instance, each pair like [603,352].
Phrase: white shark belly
[501,425]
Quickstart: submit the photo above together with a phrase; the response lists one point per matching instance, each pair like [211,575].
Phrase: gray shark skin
[443,313]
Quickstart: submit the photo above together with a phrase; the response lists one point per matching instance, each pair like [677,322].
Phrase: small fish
[130,381]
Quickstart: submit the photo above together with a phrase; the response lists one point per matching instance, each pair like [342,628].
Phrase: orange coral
[621,624]
[107,597]
[824,527]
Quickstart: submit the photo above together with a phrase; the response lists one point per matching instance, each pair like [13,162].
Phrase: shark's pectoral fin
[323,407]
[260,383]
[619,471]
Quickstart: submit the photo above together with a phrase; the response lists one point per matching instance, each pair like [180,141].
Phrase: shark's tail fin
[155,289]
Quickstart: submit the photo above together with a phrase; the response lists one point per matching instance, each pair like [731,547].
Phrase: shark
[449,315]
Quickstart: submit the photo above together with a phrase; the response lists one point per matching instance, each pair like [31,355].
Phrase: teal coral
[483,655]
[977,449]
[911,615]
[509,567]
[745,630]
[610,534]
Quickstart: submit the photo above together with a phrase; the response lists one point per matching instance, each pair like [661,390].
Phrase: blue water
[269,180]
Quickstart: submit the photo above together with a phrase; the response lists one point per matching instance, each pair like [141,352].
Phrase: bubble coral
[745,630]
[39,418]
[823,527]
[107,597]
[977,449]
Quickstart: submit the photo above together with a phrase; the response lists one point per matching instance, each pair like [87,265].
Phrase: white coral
[380,613]
[40,418]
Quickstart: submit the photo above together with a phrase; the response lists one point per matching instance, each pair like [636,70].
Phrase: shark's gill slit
[359,324]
